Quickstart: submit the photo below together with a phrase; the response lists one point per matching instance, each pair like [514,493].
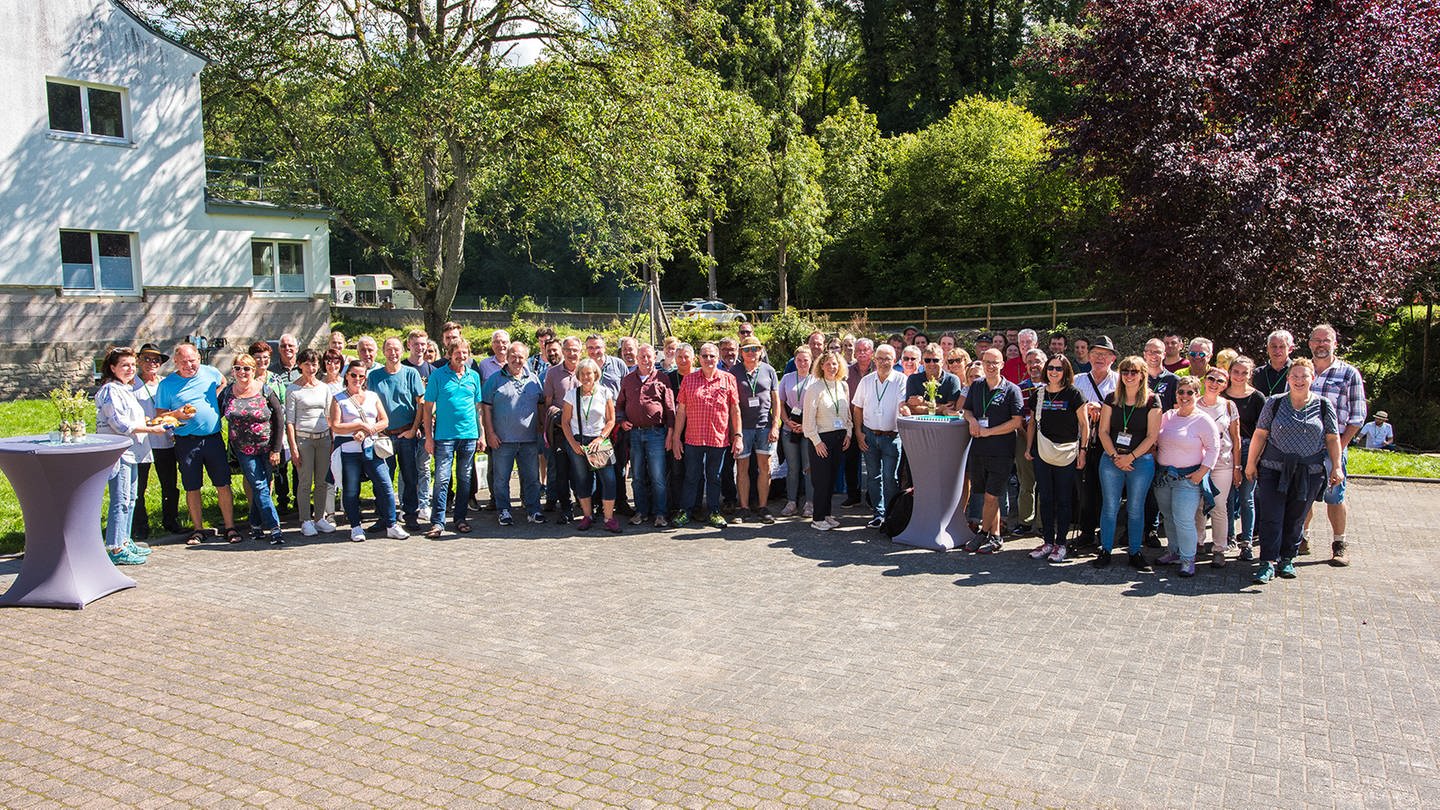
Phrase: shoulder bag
[1053,453]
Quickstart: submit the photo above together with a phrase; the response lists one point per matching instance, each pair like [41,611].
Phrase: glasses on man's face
[1199,354]
[932,361]
[751,349]
[746,332]
[709,356]
[910,360]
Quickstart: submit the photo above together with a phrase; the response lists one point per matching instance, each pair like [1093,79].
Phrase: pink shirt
[1187,440]
[707,407]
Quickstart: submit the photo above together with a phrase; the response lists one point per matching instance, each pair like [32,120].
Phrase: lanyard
[1278,382]
[1125,416]
[880,397]
[586,407]
[834,397]
[984,409]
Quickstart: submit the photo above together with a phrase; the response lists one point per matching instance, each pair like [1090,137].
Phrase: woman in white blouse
[828,425]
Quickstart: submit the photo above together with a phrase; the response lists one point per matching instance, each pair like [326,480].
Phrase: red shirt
[646,404]
[707,408]
[1015,370]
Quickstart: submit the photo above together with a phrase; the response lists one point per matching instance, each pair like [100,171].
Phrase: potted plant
[70,406]
[932,393]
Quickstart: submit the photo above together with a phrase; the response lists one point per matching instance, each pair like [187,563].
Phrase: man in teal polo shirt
[452,413]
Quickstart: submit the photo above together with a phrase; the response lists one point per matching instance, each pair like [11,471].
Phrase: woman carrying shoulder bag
[1055,439]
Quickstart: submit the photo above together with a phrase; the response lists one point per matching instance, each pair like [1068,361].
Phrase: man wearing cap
[759,389]
[876,403]
[1095,385]
[162,449]
[982,343]
[1378,435]
[191,395]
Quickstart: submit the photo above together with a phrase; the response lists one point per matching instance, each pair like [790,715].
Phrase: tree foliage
[1276,161]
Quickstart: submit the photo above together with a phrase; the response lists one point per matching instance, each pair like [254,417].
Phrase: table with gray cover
[59,487]
[935,447]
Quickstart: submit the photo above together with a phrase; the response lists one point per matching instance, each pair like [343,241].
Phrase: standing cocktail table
[59,487]
[935,447]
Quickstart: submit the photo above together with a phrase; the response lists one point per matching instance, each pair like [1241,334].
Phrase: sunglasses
[1216,380]
[751,349]
[747,332]
[708,356]
[932,361]
[246,369]
[1199,354]
[1185,394]
[1129,372]
[354,376]
[1055,368]
[954,361]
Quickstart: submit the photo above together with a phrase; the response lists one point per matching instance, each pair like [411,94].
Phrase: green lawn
[1406,465]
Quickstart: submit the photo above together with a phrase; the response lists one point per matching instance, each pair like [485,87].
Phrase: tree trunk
[1425,349]
[783,278]
[710,250]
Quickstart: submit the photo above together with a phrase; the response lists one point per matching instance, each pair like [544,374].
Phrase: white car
[714,310]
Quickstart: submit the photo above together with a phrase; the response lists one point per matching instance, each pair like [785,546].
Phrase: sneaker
[1338,557]
[636,519]
[277,538]
[875,522]
[357,535]
[1218,559]
[1021,528]
[612,525]
[992,545]
[308,528]
[506,519]
[1265,574]
[717,520]
[1247,554]
[1304,545]
[1152,540]
[850,501]
[975,542]
[738,517]
[763,515]
[809,510]
[584,524]
[682,519]
[324,526]
[661,522]
[538,517]
[1102,560]
[1058,555]
[1187,568]
[423,515]
[1287,569]
[789,510]
[820,525]
[1138,562]
[133,548]
[562,516]
[1168,558]
[833,521]
[122,556]
[256,533]
[395,532]
[1042,551]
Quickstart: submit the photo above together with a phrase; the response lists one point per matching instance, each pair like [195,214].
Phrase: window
[97,261]
[277,267]
[86,110]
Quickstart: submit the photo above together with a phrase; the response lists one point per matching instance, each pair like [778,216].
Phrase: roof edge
[148,26]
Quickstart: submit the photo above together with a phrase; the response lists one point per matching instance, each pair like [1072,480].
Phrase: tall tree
[1277,162]
[425,121]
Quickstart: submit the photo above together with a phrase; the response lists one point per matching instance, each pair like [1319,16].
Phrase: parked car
[712,309]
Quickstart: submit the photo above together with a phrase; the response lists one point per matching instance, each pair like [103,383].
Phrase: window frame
[88,134]
[96,271]
[276,242]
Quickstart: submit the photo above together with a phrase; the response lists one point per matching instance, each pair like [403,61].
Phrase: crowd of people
[1181,438]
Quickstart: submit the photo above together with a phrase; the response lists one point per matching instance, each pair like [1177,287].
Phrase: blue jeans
[702,465]
[355,465]
[409,455]
[647,469]
[505,458]
[124,477]
[457,455]
[256,470]
[882,469]
[1134,485]
[587,479]
[1179,498]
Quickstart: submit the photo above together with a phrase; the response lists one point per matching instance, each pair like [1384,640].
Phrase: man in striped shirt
[1339,382]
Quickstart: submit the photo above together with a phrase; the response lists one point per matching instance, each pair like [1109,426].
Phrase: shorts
[990,474]
[201,455]
[1334,495]
[755,440]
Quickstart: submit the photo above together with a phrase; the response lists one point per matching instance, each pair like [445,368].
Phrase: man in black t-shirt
[993,411]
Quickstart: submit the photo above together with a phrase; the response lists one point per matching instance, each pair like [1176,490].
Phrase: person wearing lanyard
[646,409]
[1248,402]
[1128,426]
[759,389]
[792,439]
[828,424]
[994,410]
[1272,378]
[1059,413]
[589,414]
[876,406]
[452,430]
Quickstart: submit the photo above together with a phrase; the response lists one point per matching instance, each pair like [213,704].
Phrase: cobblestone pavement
[761,666]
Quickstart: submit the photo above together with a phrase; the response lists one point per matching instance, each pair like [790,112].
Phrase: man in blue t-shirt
[514,401]
[191,395]
[452,419]
[994,410]
[402,392]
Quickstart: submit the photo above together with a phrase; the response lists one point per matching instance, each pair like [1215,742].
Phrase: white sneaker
[820,526]
[324,526]
[396,533]
[809,510]
[789,510]
[308,528]
[1042,551]
[357,535]
[1058,555]
[834,524]
[422,516]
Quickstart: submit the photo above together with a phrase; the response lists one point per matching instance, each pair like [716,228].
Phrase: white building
[107,233]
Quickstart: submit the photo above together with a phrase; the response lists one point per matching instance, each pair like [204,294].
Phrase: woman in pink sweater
[1188,446]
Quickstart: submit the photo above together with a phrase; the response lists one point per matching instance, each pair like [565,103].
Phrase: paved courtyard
[762,666]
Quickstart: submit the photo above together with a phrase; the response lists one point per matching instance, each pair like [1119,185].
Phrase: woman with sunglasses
[828,424]
[307,430]
[1059,414]
[119,413]
[1229,467]
[356,418]
[257,432]
[1186,450]
[792,433]
[1249,401]
[1129,424]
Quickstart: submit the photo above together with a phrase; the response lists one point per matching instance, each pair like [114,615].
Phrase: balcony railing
[229,179]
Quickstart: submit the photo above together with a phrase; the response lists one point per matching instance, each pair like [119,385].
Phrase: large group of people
[1179,438]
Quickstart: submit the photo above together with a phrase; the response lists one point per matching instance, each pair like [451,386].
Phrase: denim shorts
[1334,495]
[756,440]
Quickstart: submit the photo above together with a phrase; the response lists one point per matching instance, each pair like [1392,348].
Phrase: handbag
[1056,454]
[601,456]
[384,446]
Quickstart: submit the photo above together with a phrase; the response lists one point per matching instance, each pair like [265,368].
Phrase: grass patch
[1405,465]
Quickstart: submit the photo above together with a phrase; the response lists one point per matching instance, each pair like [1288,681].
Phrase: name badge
[984,422]
[1123,440]
[754,402]
[839,424]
